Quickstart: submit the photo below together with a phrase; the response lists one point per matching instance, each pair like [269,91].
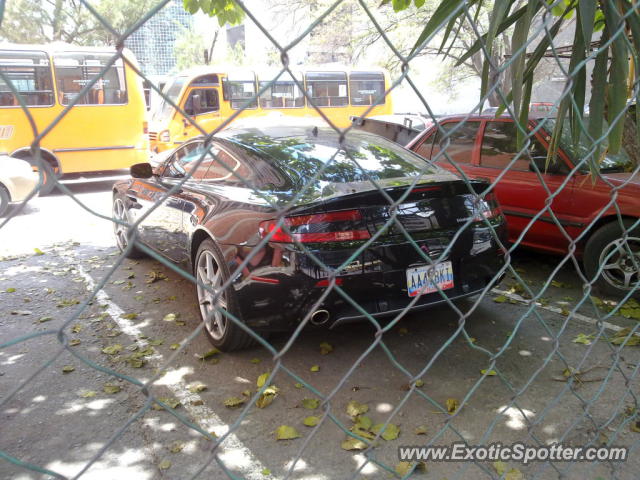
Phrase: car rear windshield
[361,158]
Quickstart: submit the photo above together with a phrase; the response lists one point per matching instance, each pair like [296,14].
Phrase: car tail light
[341,226]
[325,282]
[420,189]
[164,136]
[145,128]
[489,207]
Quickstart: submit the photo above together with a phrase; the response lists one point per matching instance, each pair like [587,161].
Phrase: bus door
[202,104]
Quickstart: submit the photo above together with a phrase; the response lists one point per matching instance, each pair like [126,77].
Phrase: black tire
[48,172]
[601,247]
[4,200]
[121,212]
[230,336]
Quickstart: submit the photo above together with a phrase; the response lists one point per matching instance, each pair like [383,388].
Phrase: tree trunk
[58,20]
[502,80]
[630,140]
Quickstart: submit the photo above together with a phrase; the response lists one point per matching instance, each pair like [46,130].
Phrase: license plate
[427,279]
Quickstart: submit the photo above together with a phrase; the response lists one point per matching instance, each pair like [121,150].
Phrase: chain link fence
[614,426]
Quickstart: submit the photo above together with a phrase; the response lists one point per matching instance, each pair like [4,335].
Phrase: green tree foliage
[121,15]
[618,41]
[227,11]
[189,49]
[37,21]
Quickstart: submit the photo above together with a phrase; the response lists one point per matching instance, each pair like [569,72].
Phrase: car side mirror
[141,170]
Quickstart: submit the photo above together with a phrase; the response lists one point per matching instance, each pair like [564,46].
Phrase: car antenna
[314,131]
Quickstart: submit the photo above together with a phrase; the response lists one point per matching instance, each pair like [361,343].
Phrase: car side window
[222,167]
[236,166]
[207,101]
[500,146]
[424,149]
[183,160]
[456,140]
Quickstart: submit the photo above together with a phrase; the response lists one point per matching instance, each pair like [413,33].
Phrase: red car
[485,147]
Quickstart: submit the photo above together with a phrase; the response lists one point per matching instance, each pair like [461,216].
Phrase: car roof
[282,132]
[488,116]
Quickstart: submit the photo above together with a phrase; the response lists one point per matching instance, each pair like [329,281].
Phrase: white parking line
[233,452]
[576,315]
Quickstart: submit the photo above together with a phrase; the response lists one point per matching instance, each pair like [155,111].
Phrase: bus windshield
[163,108]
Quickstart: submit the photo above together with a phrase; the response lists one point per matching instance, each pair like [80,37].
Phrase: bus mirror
[225,89]
[141,170]
[196,104]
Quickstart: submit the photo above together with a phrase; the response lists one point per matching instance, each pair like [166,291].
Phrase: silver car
[17,181]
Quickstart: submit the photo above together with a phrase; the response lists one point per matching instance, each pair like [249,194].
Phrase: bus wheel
[48,175]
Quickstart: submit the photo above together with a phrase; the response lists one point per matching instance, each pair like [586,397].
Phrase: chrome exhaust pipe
[319,317]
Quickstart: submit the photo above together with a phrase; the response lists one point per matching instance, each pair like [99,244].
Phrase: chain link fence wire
[617,421]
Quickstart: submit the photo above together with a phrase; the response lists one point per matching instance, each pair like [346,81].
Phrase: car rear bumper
[18,177]
[23,186]
[279,297]
[471,276]
[402,311]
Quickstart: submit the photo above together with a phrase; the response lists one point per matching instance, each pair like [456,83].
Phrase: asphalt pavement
[536,374]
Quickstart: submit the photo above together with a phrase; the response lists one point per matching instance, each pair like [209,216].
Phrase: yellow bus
[105,130]
[211,95]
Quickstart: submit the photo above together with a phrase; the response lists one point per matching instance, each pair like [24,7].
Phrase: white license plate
[427,279]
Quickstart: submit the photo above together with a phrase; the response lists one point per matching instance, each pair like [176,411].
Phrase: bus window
[283,93]
[30,75]
[208,101]
[366,88]
[327,89]
[239,92]
[75,70]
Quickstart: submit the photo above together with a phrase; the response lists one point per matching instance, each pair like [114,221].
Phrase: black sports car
[313,197]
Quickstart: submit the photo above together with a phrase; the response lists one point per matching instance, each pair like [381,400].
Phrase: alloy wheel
[621,263]
[120,227]
[209,274]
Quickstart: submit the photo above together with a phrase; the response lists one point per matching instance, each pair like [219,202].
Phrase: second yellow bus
[210,96]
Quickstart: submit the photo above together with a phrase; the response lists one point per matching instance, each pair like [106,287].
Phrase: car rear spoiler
[395,132]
